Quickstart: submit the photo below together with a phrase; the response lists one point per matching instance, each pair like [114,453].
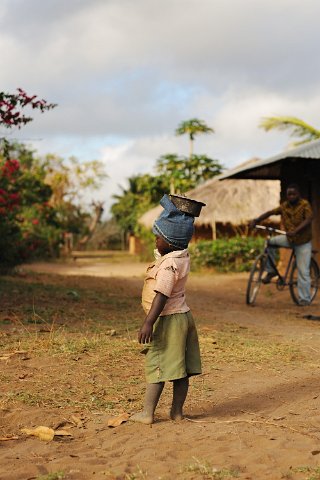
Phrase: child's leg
[180,391]
[153,392]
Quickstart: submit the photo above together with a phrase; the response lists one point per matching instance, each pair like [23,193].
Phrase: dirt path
[253,414]
[113,264]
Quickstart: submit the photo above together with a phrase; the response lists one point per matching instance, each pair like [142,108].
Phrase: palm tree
[298,128]
[192,127]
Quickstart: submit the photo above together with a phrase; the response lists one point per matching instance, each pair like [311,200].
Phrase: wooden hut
[230,205]
[299,165]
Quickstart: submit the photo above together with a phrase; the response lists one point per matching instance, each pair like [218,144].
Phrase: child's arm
[145,334]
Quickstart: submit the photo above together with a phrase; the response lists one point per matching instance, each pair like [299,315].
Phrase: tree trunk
[172,187]
[191,148]
[98,210]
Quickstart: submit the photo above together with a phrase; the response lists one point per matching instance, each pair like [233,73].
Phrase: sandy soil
[246,419]
[83,266]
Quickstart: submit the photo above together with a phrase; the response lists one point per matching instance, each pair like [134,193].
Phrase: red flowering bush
[15,181]
[9,189]
[28,224]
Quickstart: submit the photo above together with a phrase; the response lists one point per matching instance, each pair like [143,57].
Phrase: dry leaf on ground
[77,421]
[45,434]
[116,421]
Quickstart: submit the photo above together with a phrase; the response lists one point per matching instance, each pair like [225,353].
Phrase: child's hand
[145,334]
[158,303]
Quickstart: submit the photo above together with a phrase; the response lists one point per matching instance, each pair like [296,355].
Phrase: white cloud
[125,73]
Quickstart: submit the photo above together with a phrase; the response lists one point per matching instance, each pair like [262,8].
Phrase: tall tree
[97,214]
[71,181]
[192,128]
[298,128]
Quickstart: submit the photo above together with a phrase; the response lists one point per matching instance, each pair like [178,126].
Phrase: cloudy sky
[125,73]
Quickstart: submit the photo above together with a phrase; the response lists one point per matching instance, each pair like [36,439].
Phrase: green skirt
[174,351]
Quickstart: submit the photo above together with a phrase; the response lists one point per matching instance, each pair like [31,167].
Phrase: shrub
[147,240]
[226,255]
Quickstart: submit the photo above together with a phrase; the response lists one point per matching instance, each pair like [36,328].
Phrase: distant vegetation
[226,255]
[40,198]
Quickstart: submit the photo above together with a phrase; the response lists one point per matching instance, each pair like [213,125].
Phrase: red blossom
[10,115]
[14,197]
[10,167]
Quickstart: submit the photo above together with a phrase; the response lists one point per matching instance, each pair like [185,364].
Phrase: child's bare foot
[142,417]
[177,416]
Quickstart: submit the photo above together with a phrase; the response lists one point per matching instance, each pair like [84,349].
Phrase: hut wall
[202,232]
[135,245]
[223,230]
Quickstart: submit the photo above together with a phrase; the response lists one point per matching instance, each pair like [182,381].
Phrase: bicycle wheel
[255,277]
[293,283]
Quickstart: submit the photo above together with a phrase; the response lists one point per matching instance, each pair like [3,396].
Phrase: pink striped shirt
[168,275]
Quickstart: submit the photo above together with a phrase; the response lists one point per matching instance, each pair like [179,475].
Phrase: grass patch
[237,345]
[207,471]
[312,473]
[139,474]
[52,476]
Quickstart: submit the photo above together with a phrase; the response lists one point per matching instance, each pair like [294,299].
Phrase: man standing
[296,217]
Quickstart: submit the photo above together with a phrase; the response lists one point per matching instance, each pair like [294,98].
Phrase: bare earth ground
[69,360]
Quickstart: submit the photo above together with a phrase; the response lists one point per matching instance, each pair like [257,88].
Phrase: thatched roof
[228,201]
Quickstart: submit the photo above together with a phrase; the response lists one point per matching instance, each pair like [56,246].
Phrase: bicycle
[288,279]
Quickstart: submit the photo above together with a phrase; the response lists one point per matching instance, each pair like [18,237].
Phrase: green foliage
[28,224]
[143,192]
[147,240]
[226,255]
[70,179]
[192,127]
[183,174]
[298,128]
[10,245]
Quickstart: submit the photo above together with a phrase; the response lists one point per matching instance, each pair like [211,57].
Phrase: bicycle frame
[282,279]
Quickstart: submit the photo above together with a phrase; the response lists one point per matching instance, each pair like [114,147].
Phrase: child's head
[173,227]
[163,246]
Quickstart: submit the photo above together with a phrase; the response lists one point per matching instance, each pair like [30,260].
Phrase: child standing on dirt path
[172,353]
